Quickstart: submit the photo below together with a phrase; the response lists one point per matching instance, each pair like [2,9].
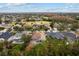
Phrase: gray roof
[5,35]
[0,33]
[57,35]
[15,37]
[62,35]
[69,35]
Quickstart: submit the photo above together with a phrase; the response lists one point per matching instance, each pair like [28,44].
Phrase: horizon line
[39,12]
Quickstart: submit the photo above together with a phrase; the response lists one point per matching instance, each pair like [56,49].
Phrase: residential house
[5,35]
[56,35]
[37,37]
[16,39]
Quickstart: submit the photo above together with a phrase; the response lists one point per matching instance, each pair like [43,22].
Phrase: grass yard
[37,22]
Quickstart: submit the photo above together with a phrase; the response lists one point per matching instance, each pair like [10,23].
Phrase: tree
[0,21]
[2,28]
[16,28]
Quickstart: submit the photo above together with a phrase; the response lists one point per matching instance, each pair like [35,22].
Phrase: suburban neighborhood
[30,30]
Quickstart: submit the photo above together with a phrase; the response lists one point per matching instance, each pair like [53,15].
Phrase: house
[47,26]
[37,37]
[15,37]
[36,26]
[0,33]
[5,35]
[56,25]
[69,35]
[62,35]
[18,36]
[56,35]
[37,18]
[77,35]
[5,25]
[55,30]
[26,32]
[46,18]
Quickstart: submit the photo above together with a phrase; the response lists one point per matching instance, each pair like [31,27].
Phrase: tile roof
[38,36]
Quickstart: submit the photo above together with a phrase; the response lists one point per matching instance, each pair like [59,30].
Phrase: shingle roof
[15,37]
[5,35]
[69,35]
[57,35]
[62,35]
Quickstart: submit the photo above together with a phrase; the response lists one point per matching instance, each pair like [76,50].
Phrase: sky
[39,7]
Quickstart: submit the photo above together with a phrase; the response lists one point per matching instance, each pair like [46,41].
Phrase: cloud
[13,4]
[31,7]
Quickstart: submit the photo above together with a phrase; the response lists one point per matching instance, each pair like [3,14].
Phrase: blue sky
[39,7]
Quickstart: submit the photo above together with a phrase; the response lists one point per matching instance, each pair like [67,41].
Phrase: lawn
[30,23]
